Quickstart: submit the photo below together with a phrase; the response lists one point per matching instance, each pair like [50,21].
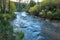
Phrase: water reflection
[33,28]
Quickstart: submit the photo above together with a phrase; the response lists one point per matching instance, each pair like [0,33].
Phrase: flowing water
[32,27]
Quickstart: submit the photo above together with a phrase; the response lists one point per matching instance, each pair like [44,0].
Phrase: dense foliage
[5,6]
[6,15]
[20,35]
[24,6]
[46,9]
[6,30]
[12,7]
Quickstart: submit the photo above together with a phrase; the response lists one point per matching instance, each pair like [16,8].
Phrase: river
[33,28]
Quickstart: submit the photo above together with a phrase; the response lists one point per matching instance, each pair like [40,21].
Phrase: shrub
[33,10]
[6,30]
[20,35]
[42,13]
[56,15]
[49,14]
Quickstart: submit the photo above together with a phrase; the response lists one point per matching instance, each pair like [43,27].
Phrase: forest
[47,9]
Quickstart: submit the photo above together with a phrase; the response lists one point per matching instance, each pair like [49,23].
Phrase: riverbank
[52,31]
[54,22]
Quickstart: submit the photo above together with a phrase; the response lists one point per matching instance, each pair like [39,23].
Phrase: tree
[9,6]
[12,7]
[32,3]
[19,5]
[4,6]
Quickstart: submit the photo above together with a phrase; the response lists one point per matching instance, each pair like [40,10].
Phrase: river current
[30,26]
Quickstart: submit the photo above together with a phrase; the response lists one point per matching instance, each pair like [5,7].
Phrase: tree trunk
[4,6]
[9,7]
[19,5]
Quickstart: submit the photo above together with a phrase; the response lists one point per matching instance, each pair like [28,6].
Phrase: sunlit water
[31,26]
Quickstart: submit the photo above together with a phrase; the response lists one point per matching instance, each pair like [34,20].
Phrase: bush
[20,35]
[34,10]
[46,9]
[42,13]
[6,30]
[49,14]
[12,7]
[56,15]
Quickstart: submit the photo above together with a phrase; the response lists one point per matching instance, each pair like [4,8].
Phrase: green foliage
[21,7]
[6,31]
[56,15]
[34,9]
[7,16]
[51,9]
[49,14]
[24,6]
[43,14]
[21,35]
[32,3]
[46,9]
[12,6]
